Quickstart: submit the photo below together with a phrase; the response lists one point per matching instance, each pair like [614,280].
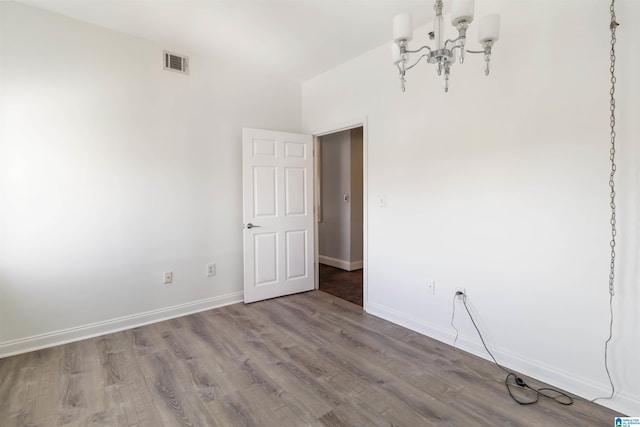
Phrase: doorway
[340,189]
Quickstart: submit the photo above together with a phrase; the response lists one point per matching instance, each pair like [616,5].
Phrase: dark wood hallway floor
[341,283]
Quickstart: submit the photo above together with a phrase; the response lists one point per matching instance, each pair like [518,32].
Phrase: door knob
[250,226]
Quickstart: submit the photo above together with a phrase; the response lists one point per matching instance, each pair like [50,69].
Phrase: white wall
[334,233]
[113,171]
[501,187]
[340,231]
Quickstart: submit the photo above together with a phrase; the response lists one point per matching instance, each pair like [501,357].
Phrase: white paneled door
[277,193]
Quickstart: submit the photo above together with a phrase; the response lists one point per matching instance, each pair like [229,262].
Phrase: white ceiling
[294,39]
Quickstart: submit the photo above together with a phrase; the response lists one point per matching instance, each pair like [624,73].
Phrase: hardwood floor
[341,283]
[307,359]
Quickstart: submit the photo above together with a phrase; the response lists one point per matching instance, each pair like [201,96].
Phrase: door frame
[326,130]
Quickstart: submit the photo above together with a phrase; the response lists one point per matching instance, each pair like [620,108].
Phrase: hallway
[341,283]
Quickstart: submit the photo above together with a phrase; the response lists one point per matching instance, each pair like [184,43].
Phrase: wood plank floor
[341,283]
[307,359]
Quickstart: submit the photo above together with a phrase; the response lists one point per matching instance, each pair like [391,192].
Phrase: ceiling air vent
[174,62]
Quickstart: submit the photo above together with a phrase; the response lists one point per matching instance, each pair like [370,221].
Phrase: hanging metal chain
[612,150]
[612,195]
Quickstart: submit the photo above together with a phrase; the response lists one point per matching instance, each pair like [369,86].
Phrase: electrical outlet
[211,269]
[168,277]
[459,298]
[431,286]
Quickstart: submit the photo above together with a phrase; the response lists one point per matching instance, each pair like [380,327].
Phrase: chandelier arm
[416,51]
[416,63]
[475,51]
[453,41]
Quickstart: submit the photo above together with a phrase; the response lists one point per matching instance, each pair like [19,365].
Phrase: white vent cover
[174,62]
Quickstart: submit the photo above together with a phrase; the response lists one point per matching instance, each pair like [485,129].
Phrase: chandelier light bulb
[462,11]
[402,27]
[489,28]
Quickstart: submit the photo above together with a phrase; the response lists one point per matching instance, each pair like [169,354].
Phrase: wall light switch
[382,200]
[431,286]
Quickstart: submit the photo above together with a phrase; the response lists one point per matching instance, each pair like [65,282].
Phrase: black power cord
[513,381]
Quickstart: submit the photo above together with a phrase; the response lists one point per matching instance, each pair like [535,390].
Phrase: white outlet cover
[211,269]
[168,278]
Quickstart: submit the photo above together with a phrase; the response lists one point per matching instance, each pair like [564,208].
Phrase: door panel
[295,191]
[296,254]
[265,249]
[278,203]
[264,184]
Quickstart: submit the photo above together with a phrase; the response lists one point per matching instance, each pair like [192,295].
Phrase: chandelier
[445,50]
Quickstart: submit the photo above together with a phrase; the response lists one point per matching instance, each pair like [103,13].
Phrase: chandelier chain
[612,150]
[612,194]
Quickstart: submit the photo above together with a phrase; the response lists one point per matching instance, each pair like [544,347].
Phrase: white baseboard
[50,339]
[340,263]
[624,403]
